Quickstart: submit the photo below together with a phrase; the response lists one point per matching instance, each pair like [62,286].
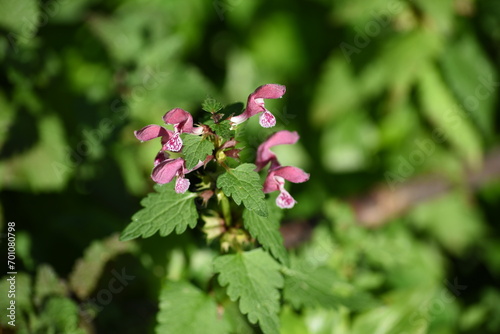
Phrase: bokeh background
[396,103]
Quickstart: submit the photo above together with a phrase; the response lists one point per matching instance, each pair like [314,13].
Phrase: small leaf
[266,230]
[243,185]
[186,309]
[254,278]
[165,211]
[222,129]
[211,105]
[195,149]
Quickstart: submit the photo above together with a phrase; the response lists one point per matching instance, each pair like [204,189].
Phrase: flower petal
[181,185]
[150,132]
[292,174]
[179,117]
[267,120]
[165,171]
[285,200]
[174,144]
[264,154]
[269,91]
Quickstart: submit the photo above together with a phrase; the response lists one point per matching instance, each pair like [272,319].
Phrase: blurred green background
[396,96]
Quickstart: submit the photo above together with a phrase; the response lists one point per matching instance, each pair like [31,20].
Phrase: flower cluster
[166,168]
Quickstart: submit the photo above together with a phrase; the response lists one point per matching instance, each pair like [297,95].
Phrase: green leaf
[243,185]
[195,148]
[186,309]
[62,314]
[165,211]
[254,278]
[313,287]
[449,120]
[211,105]
[47,284]
[88,270]
[222,129]
[266,230]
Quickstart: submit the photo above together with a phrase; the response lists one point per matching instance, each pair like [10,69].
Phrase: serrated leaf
[88,270]
[163,211]
[211,105]
[222,129]
[243,185]
[195,149]
[254,278]
[266,230]
[186,309]
[313,287]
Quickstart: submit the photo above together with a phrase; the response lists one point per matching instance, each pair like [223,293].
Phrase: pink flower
[165,171]
[264,153]
[183,123]
[275,181]
[255,105]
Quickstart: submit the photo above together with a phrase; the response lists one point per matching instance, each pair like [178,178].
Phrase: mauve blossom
[255,105]
[275,181]
[165,171]
[277,174]
[183,123]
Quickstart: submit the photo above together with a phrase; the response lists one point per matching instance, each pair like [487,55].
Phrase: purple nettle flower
[255,105]
[165,169]
[183,123]
[275,180]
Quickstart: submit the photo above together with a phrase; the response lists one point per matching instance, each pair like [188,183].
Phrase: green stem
[226,208]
